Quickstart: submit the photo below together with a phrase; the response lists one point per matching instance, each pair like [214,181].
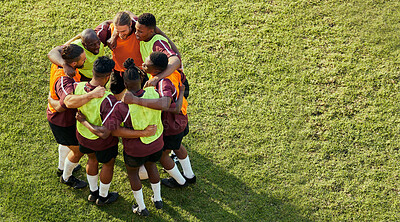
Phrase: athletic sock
[187,167]
[92,180]
[68,168]
[156,187]
[103,191]
[174,172]
[139,199]
[62,154]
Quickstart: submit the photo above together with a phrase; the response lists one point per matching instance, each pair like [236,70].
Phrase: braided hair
[132,72]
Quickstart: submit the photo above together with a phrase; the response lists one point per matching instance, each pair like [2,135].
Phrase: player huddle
[145,106]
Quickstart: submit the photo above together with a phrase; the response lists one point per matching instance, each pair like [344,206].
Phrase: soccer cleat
[157,204]
[191,180]
[74,182]
[111,197]
[171,183]
[60,172]
[135,210]
[93,196]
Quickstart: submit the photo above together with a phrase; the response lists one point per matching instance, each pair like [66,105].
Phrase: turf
[293,110]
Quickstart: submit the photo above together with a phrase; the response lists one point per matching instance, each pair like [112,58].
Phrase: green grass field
[294,110]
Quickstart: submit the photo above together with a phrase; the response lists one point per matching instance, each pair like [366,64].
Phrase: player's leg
[92,169]
[132,165]
[107,158]
[154,178]
[71,162]
[186,165]
[176,180]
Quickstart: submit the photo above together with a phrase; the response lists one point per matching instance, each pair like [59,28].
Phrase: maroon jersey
[173,123]
[63,87]
[132,147]
[99,144]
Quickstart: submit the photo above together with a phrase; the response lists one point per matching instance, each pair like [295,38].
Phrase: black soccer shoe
[157,204]
[60,172]
[191,180]
[111,197]
[135,210]
[74,182]
[93,196]
[171,183]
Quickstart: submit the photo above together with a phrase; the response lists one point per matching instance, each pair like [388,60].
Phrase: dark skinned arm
[130,133]
[162,103]
[173,64]
[99,131]
[104,133]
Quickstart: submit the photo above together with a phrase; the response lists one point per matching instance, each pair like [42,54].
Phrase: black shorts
[138,161]
[174,142]
[103,156]
[64,135]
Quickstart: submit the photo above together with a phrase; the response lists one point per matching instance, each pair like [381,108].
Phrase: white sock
[68,168]
[156,187]
[139,199]
[62,154]
[92,180]
[187,167]
[174,172]
[143,173]
[103,191]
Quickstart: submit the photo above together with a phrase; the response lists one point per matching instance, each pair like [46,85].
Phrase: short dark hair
[71,53]
[159,60]
[132,72]
[122,18]
[103,66]
[148,20]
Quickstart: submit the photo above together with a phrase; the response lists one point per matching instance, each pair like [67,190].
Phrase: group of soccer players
[139,95]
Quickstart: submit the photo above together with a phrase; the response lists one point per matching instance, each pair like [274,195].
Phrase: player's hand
[112,42]
[98,92]
[69,71]
[151,82]
[150,130]
[129,98]
[80,117]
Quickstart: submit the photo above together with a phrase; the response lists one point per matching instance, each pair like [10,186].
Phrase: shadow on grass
[220,196]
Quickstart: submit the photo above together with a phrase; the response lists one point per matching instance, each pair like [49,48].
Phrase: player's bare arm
[99,131]
[55,57]
[130,133]
[76,101]
[162,103]
[55,104]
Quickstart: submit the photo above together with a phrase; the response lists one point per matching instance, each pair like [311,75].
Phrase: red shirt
[63,87]
[173,123]
[132,147]
[105,110]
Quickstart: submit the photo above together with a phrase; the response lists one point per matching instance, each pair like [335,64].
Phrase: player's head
[132,76]
[74,55]
[102,68]
[155,63]
[90,41]
[145,27]
[122,22]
